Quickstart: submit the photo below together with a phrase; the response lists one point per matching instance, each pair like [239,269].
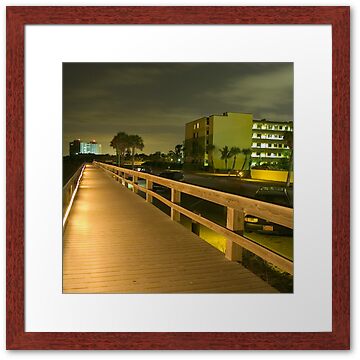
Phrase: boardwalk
[115,242]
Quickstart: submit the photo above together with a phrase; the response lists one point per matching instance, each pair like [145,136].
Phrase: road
[230,184]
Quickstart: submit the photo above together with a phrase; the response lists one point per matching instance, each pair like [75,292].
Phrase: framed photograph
[178,178]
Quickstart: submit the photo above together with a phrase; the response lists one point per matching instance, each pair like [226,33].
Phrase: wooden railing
[69,191]
[236,206]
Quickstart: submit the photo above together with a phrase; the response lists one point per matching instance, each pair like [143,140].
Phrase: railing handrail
[237,206]
[76,174]
[278,214]
[69,192]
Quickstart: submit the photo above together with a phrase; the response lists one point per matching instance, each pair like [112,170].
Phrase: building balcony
[272,130]
[274,156]
[276,148]
[266,139]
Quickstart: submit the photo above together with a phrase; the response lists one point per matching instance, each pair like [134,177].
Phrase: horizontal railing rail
[69,192]
[237,207]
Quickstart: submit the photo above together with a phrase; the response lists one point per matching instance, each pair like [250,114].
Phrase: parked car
[176,175]
[275,195]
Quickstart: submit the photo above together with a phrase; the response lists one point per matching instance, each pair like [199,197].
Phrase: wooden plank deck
[115,242]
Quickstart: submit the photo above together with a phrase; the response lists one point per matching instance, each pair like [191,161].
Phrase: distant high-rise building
[74,147]
[78,147]
[91,147]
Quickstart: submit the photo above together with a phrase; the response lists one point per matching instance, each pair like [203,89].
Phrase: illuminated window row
[267,136]
[269,145]
[268,155]
[272,127]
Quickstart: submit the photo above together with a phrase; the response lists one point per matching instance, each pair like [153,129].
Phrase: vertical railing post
[135,182]
[175,198]
[123,182]
[149,185]
[195,226]
[234,222]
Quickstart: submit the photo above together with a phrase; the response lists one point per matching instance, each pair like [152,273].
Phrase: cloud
[268,95]
[155,100]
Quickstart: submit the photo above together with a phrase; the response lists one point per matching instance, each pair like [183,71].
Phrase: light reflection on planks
[115,242]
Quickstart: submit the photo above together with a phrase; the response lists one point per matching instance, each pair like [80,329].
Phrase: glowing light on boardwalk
[73,196]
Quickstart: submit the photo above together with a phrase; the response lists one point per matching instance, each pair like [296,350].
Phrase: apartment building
[204,137]
[269,141]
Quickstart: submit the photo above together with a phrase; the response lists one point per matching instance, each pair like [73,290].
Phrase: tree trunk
[234,163]
[117,157]
[120,158]
[132,158]
[212,161]
[244,163]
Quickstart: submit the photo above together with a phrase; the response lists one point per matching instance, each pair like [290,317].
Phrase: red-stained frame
[338,18]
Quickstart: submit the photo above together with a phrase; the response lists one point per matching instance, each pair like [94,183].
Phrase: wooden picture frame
[338,18]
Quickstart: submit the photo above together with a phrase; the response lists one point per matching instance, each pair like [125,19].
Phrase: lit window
[197,125]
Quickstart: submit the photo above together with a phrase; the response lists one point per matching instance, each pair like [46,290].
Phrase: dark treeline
[72,163]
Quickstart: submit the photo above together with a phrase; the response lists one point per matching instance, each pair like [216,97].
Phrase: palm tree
[113,144]
[120,143]
[210,150]
[134,142]
[289,141]
[225,155]
[247,153]
[234,151]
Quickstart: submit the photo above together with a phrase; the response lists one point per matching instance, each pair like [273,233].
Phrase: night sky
[155,100]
